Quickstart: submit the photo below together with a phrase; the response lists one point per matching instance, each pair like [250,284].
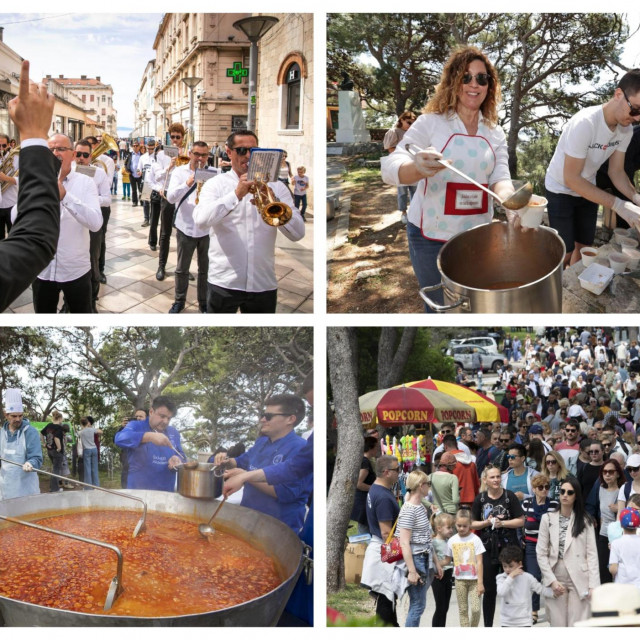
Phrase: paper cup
[633,257]
[618,262]
[589,255]
[626,242]
[531,215]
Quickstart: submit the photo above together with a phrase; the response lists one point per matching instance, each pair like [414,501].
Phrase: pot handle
[440,308]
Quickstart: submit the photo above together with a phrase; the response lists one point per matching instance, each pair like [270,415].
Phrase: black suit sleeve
[32,242]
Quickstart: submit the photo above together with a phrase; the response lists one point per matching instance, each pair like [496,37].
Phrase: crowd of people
[69,207]
[459,126]
[544,505]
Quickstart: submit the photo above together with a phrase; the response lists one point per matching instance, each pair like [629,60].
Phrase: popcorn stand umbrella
[486,410]
[406,405]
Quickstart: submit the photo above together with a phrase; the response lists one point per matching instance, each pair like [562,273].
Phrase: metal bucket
[493,268]
[264,532]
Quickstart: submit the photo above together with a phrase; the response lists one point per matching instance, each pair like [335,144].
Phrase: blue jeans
[91,466]
[405,193]
[126,189]
[300,200]
[424,255]
[507,354]
[531,564]
[418,592]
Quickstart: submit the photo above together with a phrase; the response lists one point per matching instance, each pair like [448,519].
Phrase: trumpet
[6,167]
[274,213]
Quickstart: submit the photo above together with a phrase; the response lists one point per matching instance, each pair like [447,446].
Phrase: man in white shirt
[588,139]
[97,238]
[183,193]
[242,246]
[9,183]
[152,206]
[70,269]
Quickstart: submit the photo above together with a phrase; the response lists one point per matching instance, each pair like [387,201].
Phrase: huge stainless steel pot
[493,268]
[198,482]
[262,531]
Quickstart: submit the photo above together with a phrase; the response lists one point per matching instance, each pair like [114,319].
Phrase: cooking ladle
[517,200]
[207,530]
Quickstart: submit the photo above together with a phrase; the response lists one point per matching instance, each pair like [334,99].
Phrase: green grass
[363,174]
[354,602]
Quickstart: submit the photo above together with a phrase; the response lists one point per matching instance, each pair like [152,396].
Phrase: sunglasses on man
[242,151]
[82,154]
[633,111]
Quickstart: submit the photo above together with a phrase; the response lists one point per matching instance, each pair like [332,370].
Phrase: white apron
[14,482]
[450,204]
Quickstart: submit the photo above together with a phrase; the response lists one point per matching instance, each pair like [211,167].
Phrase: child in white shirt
[624,559]
[515,587]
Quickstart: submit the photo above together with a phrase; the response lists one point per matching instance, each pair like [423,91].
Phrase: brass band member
[167,209]
[242,246]
[8,183]
[97,242]
[182,193]
[70,269]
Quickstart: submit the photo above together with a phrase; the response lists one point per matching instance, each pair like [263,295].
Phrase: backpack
[627,490]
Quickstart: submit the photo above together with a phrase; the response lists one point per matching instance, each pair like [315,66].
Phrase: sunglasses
[504,441]
[176,136]
[511,457]
[446,433]
[633,111]
[570,431]
[270,416]
[481,78]
[633,469]
[4,146]
[551,461]
[594,452]
[544,487]
[567,492]
[606,444]
[409,119]
[82,154]
[608,471]
[242,151]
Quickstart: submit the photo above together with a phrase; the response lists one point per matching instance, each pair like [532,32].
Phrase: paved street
[131,270]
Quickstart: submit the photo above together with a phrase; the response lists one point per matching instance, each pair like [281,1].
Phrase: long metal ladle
[207,530]
[517,200]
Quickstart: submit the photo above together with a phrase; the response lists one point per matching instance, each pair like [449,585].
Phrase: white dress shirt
[79,214]
[103,184]
[242,247]
[10,195]
[184,214]
[149,160]
[109,164]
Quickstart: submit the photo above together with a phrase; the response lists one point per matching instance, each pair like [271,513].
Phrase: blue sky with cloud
[114,46]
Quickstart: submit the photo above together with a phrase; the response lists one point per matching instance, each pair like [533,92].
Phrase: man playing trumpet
[183,193]
[242,271]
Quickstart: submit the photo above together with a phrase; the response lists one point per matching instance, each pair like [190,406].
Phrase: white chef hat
[13,401]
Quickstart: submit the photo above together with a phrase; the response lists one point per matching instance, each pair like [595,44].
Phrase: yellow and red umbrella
[404,405]
[487,410]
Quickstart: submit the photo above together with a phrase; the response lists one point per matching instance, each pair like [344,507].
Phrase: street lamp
[155,121]
[148,119]
[254,28]
[164,106]
[192,83]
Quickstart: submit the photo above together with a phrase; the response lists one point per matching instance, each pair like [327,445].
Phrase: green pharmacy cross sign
[237,72]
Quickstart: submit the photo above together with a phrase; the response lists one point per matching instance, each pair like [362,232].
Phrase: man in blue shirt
[149,442]
[277,443]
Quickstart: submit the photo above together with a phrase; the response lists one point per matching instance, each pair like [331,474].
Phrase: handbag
[391,551]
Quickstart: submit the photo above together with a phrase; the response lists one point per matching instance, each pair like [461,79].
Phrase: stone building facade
[284,114]
[10,63]
[203,45]
[96,97]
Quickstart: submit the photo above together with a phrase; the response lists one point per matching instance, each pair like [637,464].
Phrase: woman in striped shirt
[534,508]
[414,531]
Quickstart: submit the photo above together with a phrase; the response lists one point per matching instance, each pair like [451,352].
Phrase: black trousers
[167,213]
[442,596]
[186,246]
[385,610]
[97,248]
[136,188]
[489,572]
[602,545]
[5,222]
[77,294]
[154,217]
[221,300]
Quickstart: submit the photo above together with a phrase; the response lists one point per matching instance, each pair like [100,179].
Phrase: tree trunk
[342,352]
[391,362]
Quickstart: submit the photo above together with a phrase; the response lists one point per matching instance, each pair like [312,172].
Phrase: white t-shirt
[587,136]
[465,552]
[625,552]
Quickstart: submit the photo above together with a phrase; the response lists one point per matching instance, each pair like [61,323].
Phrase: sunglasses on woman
[633,469]
[544,487]
[567,492]
[481,78]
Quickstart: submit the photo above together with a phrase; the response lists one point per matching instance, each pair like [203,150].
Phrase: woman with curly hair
[556,471]
[459,125]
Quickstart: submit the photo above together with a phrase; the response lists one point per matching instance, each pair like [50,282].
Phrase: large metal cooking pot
[264,532]
[197,482]
[494,268]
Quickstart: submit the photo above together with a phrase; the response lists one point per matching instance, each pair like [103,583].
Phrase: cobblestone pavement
[131,270]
